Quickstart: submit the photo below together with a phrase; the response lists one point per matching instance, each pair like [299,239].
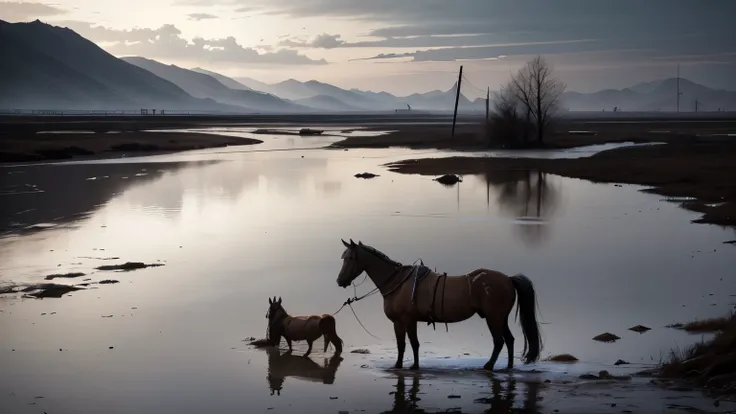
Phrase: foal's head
[351,266]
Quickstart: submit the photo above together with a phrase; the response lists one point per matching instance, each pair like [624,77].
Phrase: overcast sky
[405,46]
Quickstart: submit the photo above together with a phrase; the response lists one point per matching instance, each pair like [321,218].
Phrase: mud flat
[59,146]
[569,133]
[699,170]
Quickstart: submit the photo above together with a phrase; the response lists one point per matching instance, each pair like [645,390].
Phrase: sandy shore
[43,147]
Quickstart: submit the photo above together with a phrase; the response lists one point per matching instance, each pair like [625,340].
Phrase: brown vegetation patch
[562,358]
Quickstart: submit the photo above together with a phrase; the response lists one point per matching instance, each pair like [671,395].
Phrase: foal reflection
[501,400]
[304,368]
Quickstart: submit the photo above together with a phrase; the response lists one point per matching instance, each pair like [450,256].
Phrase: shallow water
[257,223]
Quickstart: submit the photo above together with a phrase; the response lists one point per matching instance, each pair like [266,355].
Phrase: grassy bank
[711,363]
[45,147]
[703,168]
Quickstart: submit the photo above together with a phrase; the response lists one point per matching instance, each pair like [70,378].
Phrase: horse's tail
[329,329]
[527,309]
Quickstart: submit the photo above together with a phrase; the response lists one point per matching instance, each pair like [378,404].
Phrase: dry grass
[712,363]
[705,325]
[562,358]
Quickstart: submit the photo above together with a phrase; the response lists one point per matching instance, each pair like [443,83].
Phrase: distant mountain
[659,95]
[315,93]
[48,67]
[229,82]
[201,85]
[326,103]
[256,85]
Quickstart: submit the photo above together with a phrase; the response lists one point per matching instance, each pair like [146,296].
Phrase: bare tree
[538,91]
[505,124]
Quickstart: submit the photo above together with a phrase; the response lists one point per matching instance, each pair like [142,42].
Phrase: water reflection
[281,366]
[46,194]
[527,195]
[502,399]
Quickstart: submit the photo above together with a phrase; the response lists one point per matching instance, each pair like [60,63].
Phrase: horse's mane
[379,254]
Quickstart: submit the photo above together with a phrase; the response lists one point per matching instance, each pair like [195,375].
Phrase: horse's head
[275,310]
[351,266]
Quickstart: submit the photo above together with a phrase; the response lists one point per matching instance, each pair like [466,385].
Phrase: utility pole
[488,100]
[457,99]
[678,88]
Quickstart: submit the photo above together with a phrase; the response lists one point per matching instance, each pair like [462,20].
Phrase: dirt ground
[41,147]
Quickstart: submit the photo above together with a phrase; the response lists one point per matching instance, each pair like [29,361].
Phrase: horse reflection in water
[302,367]
[502,400]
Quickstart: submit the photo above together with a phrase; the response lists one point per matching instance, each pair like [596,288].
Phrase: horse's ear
[269,301]
[345,243]
[360,243]
[279,300]
[352,243]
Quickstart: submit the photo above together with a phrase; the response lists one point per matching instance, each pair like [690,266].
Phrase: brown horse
[281,366]
[300,328]
[414,294]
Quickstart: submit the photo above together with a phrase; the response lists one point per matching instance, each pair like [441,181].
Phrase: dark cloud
[518,21]
[21,12]
[166,43]
[201,16]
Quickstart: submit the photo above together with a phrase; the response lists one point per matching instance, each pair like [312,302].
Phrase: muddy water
[267,221]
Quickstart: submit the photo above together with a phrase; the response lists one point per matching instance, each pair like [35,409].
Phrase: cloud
[322,41]
[166,43]
[201,16]
[625,21]
[21,12]
[492,52]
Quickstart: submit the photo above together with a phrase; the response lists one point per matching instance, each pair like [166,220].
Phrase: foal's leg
[508,338]
[400,331]
[496,328]
[411,330]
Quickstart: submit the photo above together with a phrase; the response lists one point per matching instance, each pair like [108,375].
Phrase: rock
[366,175]
[360,351]
[453,396]
[108,282]
[620,362]
[640,328]
[449,179]
[606,337]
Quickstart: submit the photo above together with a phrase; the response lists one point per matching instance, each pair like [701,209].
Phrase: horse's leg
[327,342]
[508,338]
[309,347]
[411,330]
[400,331]
[496,328]
[288,342]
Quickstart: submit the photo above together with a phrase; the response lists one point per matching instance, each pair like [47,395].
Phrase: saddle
[420,273]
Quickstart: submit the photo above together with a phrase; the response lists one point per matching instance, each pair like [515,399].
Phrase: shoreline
[701,168]
[74,146]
